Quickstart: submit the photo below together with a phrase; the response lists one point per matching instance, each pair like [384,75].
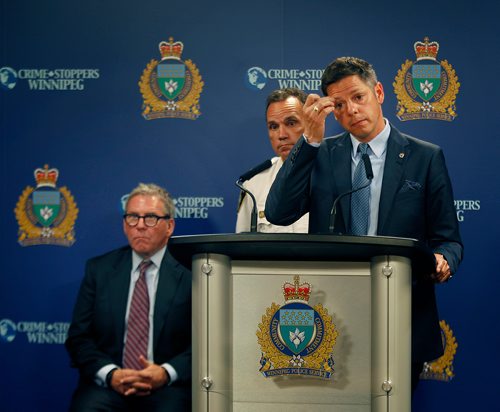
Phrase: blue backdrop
[70,99]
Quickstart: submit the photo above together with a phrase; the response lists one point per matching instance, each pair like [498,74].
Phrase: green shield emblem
[171,76]
[426,79]
[296,327]
[46,206]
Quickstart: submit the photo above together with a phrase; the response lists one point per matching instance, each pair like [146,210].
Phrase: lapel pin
[401,155]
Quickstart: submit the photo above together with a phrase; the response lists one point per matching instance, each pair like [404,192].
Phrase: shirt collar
[156,258]
[378,144]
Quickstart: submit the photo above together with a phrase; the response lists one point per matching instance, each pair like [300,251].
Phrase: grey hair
[151,189]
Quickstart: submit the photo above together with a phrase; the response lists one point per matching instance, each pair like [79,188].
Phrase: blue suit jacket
[96,335]
[416,202]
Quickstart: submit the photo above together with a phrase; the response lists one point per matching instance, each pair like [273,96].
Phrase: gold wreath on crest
[444,105]
[63,233]
[317,360]
[154,103]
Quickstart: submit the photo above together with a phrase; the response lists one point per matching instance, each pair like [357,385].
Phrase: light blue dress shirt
[377,153]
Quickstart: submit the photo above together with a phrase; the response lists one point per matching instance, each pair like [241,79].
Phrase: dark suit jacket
[416,202]
[95,337]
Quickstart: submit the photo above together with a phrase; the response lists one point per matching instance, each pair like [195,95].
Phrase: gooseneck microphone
[247,176]
[369,175]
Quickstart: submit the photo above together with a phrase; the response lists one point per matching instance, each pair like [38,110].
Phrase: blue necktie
[360,200]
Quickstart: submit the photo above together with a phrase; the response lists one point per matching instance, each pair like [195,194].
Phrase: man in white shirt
[284,119]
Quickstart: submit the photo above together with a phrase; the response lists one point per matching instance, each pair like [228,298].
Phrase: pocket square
[410,186]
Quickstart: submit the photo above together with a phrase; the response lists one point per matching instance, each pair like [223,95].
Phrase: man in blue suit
[132,343]
[410,194]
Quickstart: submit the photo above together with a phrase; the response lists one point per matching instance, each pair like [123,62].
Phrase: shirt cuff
[313,144]
[171,373]
[100,376]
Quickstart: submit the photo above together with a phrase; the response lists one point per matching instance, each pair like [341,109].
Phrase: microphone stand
[253,217]
[369,175]
[333,212]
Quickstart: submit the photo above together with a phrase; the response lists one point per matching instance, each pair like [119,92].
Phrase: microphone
[247,176]
[255,171]
[369,175]
[368,166]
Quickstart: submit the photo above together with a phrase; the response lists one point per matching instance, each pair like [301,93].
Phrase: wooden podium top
[301,247]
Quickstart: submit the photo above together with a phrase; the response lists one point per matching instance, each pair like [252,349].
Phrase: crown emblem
[297,339]
[46,177]
[171,87]
[46,214]
[426,88]
[426,50]
[171,50]
[296,291]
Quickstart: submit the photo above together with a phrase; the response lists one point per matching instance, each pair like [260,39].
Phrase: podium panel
[369,302]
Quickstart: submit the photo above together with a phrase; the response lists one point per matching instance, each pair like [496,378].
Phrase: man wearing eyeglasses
[130,336]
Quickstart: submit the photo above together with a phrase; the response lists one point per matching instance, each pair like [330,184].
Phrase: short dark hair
[348,66]
[281,95]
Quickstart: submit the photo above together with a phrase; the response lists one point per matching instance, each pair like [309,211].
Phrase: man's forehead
[346,86]
[288,108]
[144,200]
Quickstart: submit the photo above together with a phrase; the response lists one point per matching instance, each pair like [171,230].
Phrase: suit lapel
[340,157]
[398,150]
[118,292]
[169,277]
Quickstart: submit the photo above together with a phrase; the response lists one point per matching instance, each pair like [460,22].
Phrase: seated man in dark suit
[409,195]
[130,336]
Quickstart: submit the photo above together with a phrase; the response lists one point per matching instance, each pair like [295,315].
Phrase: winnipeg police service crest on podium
[426,88]
[46,214]
[297,339]
[171,87]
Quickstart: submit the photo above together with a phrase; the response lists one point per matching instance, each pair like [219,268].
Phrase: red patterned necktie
[138,322]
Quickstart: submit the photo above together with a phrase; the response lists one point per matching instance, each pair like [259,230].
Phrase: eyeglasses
[149,220]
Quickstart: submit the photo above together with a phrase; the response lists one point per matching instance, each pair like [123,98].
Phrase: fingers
[443,271]
[316,109]
[144,362]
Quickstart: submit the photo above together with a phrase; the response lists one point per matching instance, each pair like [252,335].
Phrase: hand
[443,271]
[316,109]
[153,374]
[129,382]
[139,383]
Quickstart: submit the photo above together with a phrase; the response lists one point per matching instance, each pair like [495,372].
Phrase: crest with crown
[426,50]
[171,50]
[175,93]
[296,291]
[46,214]
[426,89]
[46,177]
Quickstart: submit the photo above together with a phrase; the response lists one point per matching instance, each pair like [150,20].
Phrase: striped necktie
[136,342]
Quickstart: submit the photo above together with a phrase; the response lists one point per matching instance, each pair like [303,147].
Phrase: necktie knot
[143,266]
[363,148]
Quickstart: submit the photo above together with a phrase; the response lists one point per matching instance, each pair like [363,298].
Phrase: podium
[359,312]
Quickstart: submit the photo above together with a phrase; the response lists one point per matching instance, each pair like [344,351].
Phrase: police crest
[426,88]
[171,87]
[297,339]
[442,368]
[46,215]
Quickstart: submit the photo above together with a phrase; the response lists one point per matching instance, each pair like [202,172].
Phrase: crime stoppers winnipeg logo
[46,214]
[426,88]
[35,332]
[297,339]
[171,87]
